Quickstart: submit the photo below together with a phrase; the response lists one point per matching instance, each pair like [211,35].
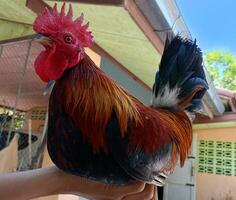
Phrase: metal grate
[217,157]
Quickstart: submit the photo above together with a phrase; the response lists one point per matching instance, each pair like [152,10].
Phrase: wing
[136,162]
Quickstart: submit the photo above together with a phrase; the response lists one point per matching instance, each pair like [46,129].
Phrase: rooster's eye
[68,39]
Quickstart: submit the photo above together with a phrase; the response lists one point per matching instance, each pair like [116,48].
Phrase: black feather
[137,164]
[181,67]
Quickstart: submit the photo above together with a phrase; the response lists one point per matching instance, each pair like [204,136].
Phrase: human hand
[51,180]
[98,191]
[149,192]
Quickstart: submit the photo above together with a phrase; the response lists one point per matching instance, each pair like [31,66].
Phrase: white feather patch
[168,97]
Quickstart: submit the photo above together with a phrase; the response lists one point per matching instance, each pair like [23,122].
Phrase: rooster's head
[64,40]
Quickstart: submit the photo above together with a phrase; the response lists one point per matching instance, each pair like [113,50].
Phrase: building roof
[229,99]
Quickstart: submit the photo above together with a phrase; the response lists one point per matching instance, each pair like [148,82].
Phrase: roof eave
[98,2]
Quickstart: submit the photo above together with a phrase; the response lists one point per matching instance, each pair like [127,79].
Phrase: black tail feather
[181,74]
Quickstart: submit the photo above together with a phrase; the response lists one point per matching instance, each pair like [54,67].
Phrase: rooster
[99,131]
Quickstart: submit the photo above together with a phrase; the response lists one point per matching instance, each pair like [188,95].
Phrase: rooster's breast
[71,153]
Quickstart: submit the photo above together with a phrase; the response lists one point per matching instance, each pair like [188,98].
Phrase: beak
[44,40]
[49,87]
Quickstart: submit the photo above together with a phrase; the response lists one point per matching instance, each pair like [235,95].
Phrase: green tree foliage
[222,68]
[6,115]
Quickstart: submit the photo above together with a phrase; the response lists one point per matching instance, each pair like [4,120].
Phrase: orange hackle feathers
[93,104]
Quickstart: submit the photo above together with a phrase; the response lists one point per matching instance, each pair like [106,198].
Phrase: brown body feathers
[91,97]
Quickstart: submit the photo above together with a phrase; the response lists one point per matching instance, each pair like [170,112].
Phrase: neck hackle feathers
[94,103]
[49,22]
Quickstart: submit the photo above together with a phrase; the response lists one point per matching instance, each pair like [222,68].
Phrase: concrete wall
[210,186]
[215,187]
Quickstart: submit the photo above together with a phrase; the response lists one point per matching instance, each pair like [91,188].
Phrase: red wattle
[50,66]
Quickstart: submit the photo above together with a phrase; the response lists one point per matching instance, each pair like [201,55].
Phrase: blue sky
[211,22]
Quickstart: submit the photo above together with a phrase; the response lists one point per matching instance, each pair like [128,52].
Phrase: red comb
[50,22]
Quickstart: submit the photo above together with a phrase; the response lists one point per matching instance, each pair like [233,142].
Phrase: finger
[146,194]
[131,188]
[155,197]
